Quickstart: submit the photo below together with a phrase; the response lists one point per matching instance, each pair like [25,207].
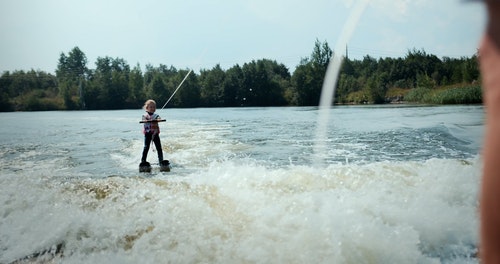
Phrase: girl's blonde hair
[149,102]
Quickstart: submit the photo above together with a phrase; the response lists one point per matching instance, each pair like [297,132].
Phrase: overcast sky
[198,34]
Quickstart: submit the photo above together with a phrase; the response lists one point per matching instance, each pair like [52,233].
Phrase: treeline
[114,84]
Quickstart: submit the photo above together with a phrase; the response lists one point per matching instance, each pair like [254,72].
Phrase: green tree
[261,83]
[5,93]
[347,84]
[137,92]
[303,81]
[377,87]
[119,89]
[157,87]
[109,85]
[418,62]
[278,82]
[160,83]
[212,86]
[233,87]
[97,96]
[308,76]
[189,92]
[424,81]
[71,72]
[26,91]
[470,69]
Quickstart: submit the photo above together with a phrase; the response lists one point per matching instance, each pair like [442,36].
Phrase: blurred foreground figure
[489,59]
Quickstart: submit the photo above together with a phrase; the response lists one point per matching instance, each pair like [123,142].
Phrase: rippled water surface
[397,184]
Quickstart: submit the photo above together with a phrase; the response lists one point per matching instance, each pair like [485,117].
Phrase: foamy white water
[400,185]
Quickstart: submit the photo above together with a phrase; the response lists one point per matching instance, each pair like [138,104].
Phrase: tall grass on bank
[459,95]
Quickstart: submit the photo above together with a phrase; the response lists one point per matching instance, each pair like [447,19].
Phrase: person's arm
[489,57]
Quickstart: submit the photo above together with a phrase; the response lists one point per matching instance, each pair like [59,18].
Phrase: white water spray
[331,76]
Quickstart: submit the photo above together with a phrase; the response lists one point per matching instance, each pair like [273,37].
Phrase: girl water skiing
[151,132]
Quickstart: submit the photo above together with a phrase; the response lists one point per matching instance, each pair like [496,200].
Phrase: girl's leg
[147,142]
[157,141]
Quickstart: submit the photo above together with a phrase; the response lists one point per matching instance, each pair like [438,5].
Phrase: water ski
[165,165]
[146,167]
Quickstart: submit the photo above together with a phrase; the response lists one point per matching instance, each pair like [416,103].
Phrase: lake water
[395,184]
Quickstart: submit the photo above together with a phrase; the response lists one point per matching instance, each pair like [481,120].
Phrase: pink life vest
[151,126]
